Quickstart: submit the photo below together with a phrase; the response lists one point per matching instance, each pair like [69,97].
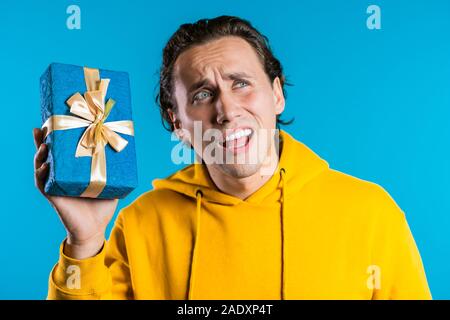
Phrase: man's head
[222,73]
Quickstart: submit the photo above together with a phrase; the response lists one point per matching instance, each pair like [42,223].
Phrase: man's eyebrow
[231,76]
[237,75]
[198,84]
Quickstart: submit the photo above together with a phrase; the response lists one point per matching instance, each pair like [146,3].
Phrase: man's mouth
[237,140]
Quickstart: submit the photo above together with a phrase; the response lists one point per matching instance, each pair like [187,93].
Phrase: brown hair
[203,31]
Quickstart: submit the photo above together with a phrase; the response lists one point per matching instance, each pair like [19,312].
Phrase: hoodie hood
[297,166]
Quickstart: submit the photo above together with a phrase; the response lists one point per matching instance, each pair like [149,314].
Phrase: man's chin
[240,170]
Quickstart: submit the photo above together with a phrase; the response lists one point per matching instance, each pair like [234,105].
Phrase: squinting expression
[223,84]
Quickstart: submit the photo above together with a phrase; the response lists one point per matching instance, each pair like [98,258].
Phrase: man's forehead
[227,55]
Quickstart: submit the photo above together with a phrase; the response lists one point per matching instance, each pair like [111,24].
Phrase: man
[273,221]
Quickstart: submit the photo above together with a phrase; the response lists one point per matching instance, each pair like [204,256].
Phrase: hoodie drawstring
[283,253]
[198,195]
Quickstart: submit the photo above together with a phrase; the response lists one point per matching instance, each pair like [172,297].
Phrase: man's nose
[227,108]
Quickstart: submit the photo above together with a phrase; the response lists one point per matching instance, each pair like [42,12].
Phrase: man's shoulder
[346,191]
[341,181]
[151,202]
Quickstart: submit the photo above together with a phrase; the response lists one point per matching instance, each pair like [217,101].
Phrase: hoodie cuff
[81,277]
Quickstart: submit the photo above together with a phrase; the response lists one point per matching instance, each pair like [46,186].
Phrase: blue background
[373,103]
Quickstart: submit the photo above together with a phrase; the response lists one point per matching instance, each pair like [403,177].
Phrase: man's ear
[173,119]
[278,96]
[176,124]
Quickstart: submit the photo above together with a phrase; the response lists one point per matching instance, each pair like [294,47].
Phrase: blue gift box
[70,175]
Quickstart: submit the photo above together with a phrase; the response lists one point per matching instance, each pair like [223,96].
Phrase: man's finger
[40,156]
[38,135]
[41,171]
[39,176]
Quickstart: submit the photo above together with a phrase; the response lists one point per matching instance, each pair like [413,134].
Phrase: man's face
[223,84]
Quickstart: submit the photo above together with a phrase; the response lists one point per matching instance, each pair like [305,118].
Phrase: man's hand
[85,219]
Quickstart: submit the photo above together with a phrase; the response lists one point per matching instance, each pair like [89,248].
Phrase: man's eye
[202,95]
[241,84]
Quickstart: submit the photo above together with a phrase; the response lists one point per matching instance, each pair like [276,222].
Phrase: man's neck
[244,187]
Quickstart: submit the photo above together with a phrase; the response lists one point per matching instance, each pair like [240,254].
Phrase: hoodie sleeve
[398,272]
[104,276]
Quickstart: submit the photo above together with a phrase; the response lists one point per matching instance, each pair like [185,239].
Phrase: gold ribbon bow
[91,112]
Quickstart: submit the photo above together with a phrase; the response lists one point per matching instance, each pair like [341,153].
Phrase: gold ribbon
[91,112]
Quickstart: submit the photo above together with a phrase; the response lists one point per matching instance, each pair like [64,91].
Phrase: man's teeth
[238,134]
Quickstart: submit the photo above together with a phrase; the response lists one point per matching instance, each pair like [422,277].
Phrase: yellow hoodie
[309,233]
